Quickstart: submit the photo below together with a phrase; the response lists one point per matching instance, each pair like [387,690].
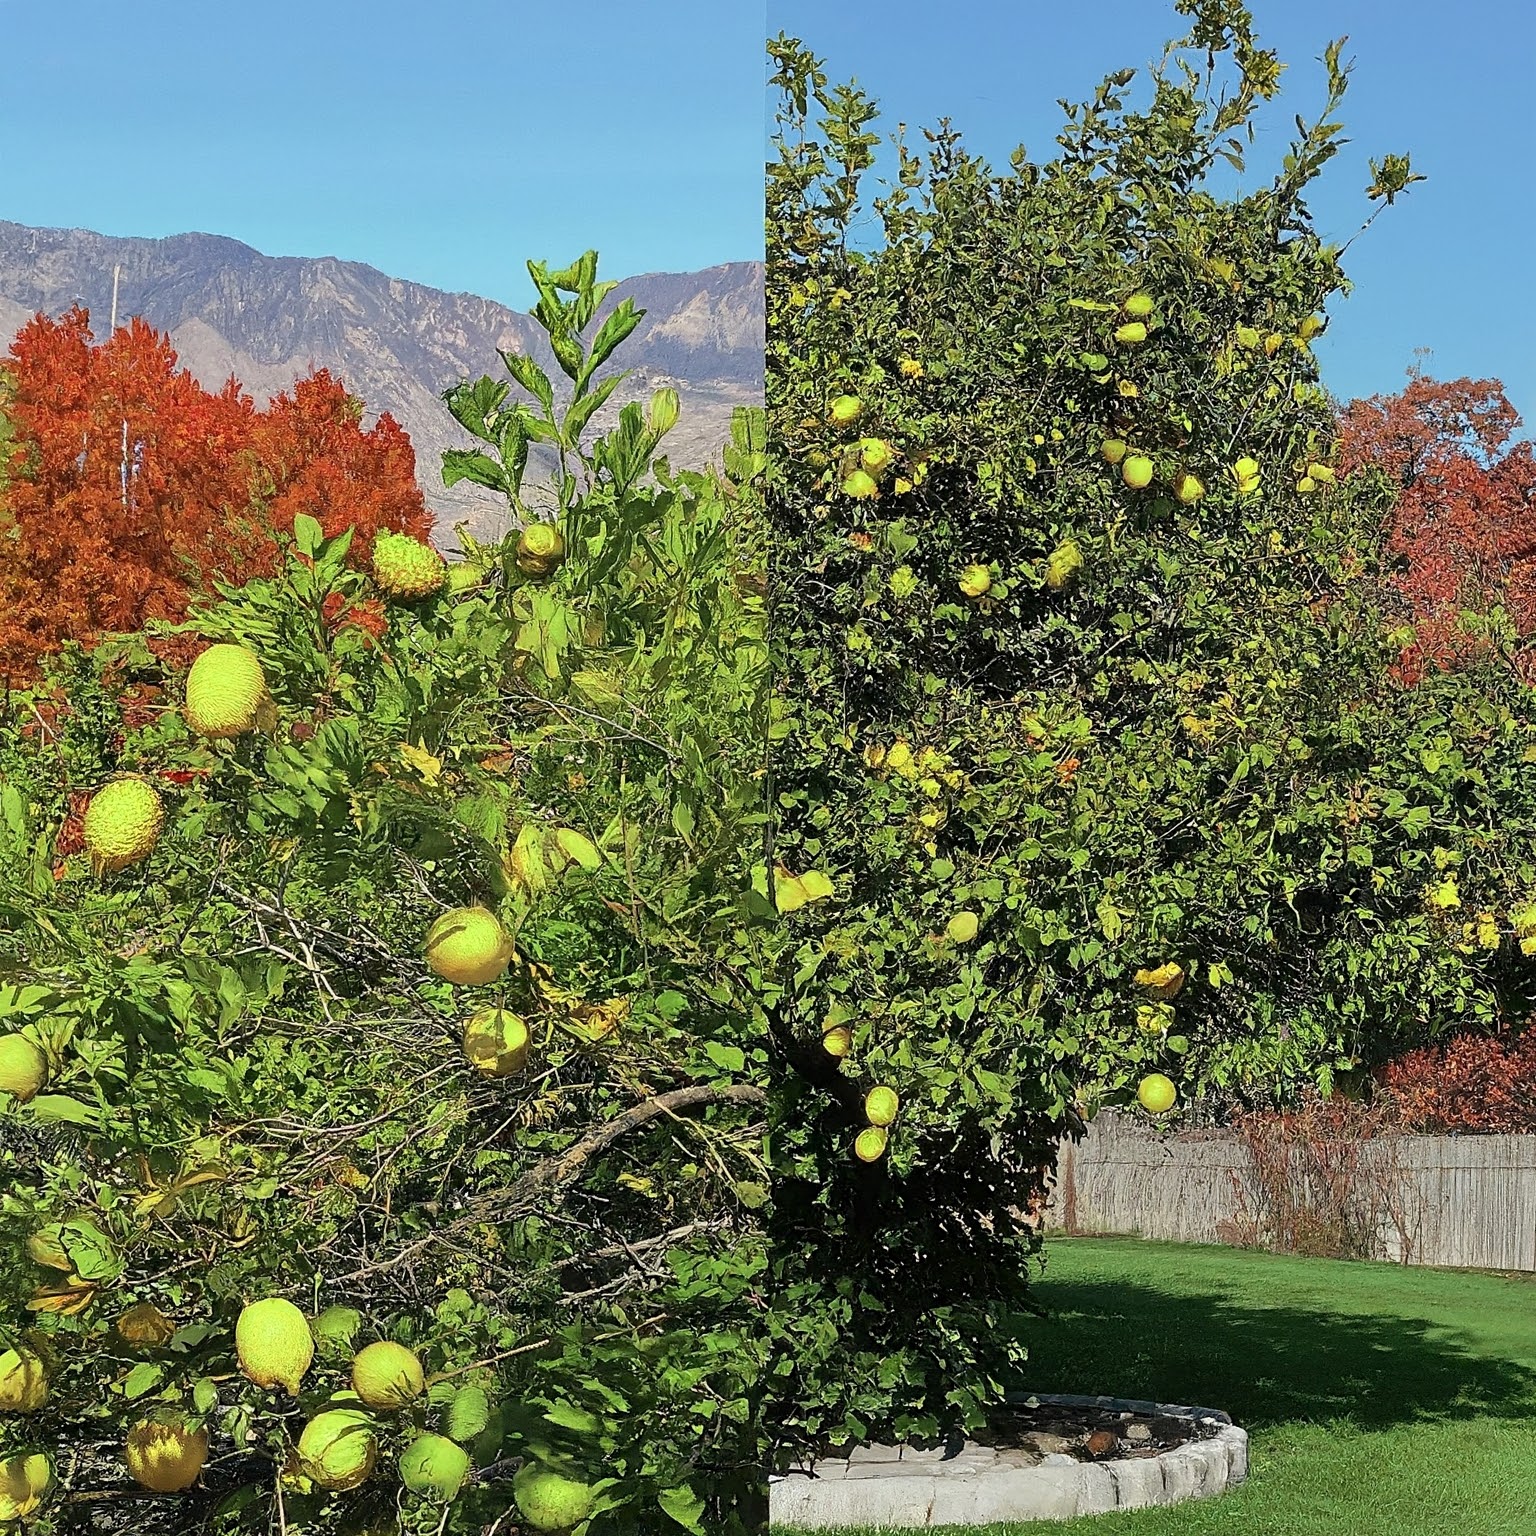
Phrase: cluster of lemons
[1137,470]
[338,1448]
[1156,1092]
[227,696]
[871,460]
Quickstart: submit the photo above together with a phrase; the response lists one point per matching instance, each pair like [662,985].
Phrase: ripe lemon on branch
[274,1344]
[166,1455]
[227,694]
[122,824]
[468,946]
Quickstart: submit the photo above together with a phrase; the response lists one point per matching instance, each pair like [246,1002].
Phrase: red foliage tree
[99,537]
[317,459]
[1463,526]
[1478,1083]
[130,487]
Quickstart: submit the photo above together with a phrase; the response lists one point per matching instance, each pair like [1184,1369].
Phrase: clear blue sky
[1448,266]
[444,143]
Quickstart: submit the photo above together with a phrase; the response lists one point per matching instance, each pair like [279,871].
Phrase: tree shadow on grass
[1264,1366]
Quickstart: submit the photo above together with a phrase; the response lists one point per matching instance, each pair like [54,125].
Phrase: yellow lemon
[881,1105]
[25,1481]
[274,1344]
[496,1042]
[23,1068]
[387,1375]
[1136,472]
[23,1381]
[1156,1093]
[468,946]
[165,1455]
[1187,488]
[975,581]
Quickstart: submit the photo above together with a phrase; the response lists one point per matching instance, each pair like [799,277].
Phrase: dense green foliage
[256,1085]
[1050,734]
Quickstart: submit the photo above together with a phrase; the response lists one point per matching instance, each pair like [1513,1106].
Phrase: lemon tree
[1082,703]
[380,1118]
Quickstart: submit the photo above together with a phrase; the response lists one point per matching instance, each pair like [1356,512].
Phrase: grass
[1380,1400]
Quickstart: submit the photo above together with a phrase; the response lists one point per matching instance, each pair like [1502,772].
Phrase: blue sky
[1447,267]
[446,144]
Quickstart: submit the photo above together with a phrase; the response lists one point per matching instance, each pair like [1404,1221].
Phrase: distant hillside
[398,345]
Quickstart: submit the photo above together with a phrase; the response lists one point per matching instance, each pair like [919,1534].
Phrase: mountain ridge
[396,343]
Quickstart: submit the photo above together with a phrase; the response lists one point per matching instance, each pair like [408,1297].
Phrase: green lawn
[1380,1400]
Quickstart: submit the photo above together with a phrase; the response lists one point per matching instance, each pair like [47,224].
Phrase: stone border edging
[895,1486]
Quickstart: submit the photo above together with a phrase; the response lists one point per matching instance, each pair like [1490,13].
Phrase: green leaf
[55,1108]
[684,1506]
[144,1377]
[479,468]
[468,1414]
[579,849]
[307,533]
[530,376]
[569,1416]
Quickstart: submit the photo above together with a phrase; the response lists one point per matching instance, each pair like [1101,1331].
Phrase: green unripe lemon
[226,689]
[860,485]
[874,454]
[275,1346]
[434,1466]
[23,1068]
[962,927]
[468,946]
[387,1375]
[1113,449]
[1156,1093]
[1140,305]
[1131,333]
[405,567]
[845,410]
[548,1501]
[881,1105]
[1136,472]
[337,1449]
[869,1146]
[122,824]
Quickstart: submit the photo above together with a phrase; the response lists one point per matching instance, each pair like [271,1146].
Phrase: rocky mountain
[268,320]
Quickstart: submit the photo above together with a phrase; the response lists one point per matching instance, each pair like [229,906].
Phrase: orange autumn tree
[317,459]
[1462,518]
[131,487]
